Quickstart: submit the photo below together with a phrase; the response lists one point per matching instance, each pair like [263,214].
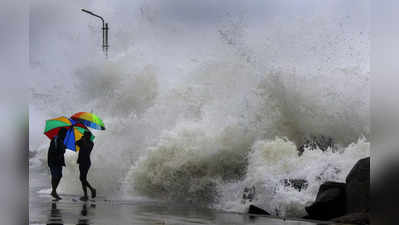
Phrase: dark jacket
[85,146]
[55,156]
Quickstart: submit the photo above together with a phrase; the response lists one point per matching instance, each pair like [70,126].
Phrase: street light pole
[105,31]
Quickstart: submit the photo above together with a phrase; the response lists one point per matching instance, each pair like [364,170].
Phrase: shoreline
[140,211]
[44,210]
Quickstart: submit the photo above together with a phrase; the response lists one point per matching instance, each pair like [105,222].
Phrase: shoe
[84,198]
[93,193]
[55,195]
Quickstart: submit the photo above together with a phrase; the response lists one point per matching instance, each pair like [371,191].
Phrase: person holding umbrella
[56,160]
[85,145]
[71,133]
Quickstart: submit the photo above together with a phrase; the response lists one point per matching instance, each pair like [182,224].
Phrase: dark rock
[249,193]
[358,187]
[298,184]
[330,202]
[354,218]
[334,200]
[256,210]
[316,142]
[385,191]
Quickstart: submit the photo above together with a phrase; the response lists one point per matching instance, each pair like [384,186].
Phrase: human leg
[83,179]
[56,174]
[85,183]
[92,189]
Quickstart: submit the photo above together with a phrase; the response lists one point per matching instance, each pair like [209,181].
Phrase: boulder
[249,193]
[385,192]
[334,200]
[330,202]
[298,184]
[316,142]
[256,210]
[353,218]
[358,187]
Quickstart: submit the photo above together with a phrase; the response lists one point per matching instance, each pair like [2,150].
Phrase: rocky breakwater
[344,202]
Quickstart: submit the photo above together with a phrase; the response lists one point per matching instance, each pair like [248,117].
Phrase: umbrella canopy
[89,119]
[53,126]
[75,131]
[74,134]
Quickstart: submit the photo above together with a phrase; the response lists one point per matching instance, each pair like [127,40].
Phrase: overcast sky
[54,22]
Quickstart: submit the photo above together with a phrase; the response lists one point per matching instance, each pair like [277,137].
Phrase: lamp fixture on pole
[105,29]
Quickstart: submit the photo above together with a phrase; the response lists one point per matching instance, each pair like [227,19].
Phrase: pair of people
[56,161]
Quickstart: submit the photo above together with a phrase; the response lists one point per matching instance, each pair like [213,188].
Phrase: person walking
[56,160]
[85,145]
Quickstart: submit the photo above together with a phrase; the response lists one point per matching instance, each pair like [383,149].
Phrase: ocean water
[197,112]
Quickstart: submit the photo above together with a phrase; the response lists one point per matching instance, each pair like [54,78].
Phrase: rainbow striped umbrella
[89,119]
[74,134]
[75,131]
[53,126]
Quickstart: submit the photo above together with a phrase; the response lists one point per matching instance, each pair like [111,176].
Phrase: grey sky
[58,29]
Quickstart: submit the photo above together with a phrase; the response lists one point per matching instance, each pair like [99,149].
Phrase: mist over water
[197,110]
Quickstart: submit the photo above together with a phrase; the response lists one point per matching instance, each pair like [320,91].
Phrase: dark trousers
[56,171]
[84,169]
